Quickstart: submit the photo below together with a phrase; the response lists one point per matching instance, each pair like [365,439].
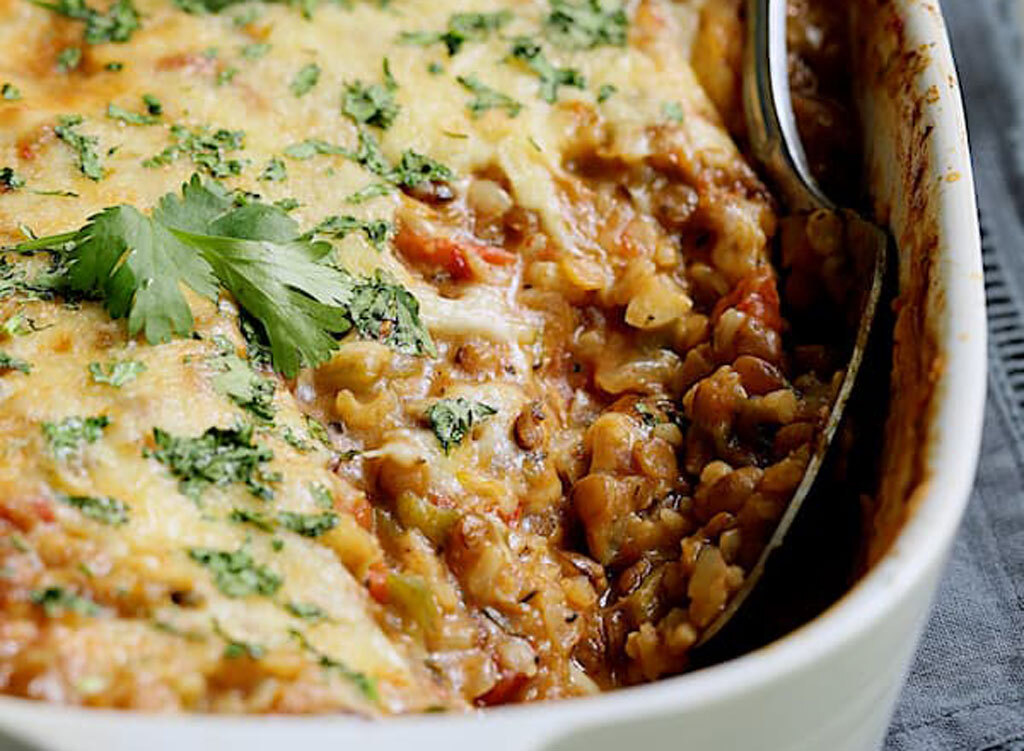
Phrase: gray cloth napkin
[966,686]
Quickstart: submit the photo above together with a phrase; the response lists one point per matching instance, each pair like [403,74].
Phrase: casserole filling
[391,357]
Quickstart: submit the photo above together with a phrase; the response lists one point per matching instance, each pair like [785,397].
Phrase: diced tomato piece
[756,295]
[377,583]
[504,690]
[450,255]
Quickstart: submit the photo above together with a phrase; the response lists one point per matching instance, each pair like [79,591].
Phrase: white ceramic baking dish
[832,684]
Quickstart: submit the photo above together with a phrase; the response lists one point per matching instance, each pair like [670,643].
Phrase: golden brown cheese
[601,255]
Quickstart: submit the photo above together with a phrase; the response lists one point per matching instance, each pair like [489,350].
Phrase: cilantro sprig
[588,24]
[116,24]
[485,98]
[551,77]
[462,28]
[452,419]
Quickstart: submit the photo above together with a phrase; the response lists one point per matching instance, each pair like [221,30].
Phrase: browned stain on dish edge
[892,96]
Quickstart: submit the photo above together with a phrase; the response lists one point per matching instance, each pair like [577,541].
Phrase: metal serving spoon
[775,143]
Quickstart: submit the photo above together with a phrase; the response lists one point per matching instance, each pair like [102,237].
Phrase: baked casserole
[394,357]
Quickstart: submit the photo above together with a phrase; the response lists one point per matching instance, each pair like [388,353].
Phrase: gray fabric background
[966,687]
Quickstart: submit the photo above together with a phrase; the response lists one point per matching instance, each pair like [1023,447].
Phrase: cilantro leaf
[485,98]
[462,28]
[56,601]
[10,92]
[84,146]
[305,80]
[68,59]
[217,457]
[377,231]
[66,436]
[117,24]
[380,308]
[116,372]
[114,112]
[103,509]
[452,419]
[275,171]
[374,104]
[311,147]
[551,77]
[235,573]
[588,24]
[137,266]
[208,150]
[258,519]
[308,525]
[10,180]
[9,362]
[306,611]
[237,380]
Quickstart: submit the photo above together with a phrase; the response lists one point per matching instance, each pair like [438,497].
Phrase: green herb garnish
[377,231]
[306,611]
[374,104]
[275,171]
[235,573]
[67,436]
[462,28]
[672,111]
[304,81]
[258,519]
[56,601]
[10,92]
[308,525]
[485,98]
[10,180]
[9,362]
[68,59]
[116,372]
[116,24]
[551,77]
[84,146]
[207,148]
[588,24]
[237,380]
[606,92]
[452,419]
[217,457]
[115,112]
[255,51]
[103,509]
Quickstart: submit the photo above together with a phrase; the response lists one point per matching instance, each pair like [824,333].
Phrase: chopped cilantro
[606,92]
[588,24]
[318,431]
[114,67]
[551,77]
[306,611]
[308,525]
[371,191]
[435,69]
[66,436]
[294,440]
[321,496]
[117,24]
[287,204]
[56,601]
[235,573]
[10,180]
[256,518]
[117,372]
[103,509]
[208,150]
[452,419]
[68,59]
[255,51]
[672,111]
[304,81]
[647,415]
[14,325]
[374,104]
[217,457]
[377,231]
[380,308]
[275,171]
[115,112]
[84,146]
[226,75]
[311,147]
[153,105]
[462,28]
[10,92]
[236,648]
[414,169]
[237,380]
[10,362]
[367,685]
[485,98]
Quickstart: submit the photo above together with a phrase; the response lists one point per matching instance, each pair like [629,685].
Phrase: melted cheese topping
[461,586]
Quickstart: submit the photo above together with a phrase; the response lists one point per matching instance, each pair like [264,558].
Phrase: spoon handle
[771,125]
